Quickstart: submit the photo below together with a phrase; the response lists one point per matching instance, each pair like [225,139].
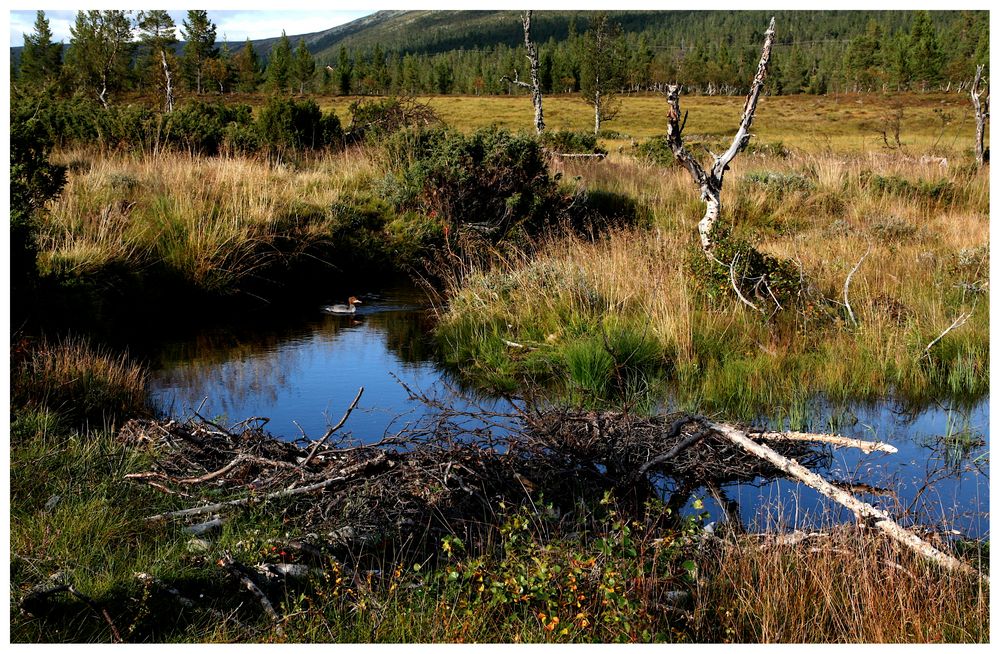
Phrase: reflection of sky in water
[310,373]
[309,376]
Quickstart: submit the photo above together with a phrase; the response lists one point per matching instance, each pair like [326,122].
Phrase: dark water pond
[304,375]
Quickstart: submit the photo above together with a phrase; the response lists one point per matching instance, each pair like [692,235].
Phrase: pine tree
[158,64]
[199,46]
[100,51]
[344,70]
[602,68]
[926,57]
[280,64]
[247,68]
[303,66]
[41,59]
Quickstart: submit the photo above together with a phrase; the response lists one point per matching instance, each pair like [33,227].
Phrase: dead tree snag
[535,86]
[710,183]
[982,108]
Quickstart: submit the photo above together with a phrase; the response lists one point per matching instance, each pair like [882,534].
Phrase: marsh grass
[927,264]
[79,382]
[853,587]
[214,221]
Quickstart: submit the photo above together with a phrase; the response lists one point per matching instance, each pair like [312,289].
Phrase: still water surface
[304,375]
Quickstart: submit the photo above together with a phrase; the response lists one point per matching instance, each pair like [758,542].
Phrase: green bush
[375,119]
[569,142]
[287,124]
[779,184]
[33,181]
[941,190]
[201,127]
[493,180]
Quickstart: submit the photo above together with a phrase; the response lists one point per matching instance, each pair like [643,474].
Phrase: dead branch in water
[864,511]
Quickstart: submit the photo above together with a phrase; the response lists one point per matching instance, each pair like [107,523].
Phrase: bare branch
[847,285]
[335,428]
[958,323]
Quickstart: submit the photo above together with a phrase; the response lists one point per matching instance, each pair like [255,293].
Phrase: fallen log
[880,519]
[832,439]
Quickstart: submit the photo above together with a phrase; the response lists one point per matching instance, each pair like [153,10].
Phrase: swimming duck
[342,308]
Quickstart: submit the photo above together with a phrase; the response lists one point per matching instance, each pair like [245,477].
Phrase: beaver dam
[447,474]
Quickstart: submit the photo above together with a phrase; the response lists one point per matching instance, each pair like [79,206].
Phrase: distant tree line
[709,52]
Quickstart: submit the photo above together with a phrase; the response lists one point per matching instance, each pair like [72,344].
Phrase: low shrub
[941,190]
[287,124]
[569,142]
[376,119]
[779,184]
[492,180]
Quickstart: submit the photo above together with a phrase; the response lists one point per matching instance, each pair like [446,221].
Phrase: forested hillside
[468,52]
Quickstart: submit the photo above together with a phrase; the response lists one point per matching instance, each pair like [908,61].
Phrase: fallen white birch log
[880,518]
[837,441]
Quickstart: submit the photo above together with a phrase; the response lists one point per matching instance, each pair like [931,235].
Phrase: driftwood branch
[862,510]
[710,183]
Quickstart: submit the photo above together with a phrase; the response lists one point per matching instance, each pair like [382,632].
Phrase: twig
[332,430]
[732,280]
[212,508]
[847,285]
[228,563]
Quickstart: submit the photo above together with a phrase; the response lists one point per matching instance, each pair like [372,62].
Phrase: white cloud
[234,25]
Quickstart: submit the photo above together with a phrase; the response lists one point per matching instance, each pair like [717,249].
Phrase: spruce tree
[602,68]
[247,68]
[926,57]
[41,59]
[344,71]
[303,66]
[280,64]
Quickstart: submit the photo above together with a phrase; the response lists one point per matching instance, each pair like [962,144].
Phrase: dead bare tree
[710,183]
[169,89]
[982,108]
[535,86]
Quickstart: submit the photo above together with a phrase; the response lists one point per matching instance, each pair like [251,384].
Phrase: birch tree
[982,107]
[710,182]
[535,85]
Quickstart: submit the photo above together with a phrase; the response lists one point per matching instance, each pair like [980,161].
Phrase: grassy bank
[609,317]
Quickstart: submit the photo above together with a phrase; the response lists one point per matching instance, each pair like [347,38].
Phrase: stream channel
[303,372]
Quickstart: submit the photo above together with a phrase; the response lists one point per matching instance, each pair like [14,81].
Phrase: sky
[233,25]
